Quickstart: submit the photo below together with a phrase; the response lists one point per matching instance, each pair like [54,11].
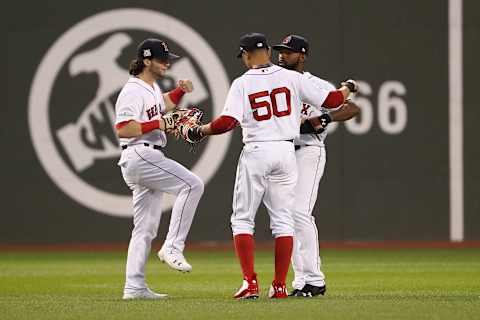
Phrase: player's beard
[291,66]
[157,73]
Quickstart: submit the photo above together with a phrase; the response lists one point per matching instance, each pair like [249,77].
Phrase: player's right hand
[194,135]
[186,85]
[320,123]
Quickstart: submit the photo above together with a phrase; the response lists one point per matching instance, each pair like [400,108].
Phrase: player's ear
[303,57]
[246,58]
[147,62]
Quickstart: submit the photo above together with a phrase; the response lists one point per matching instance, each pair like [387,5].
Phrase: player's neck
[260,66]
[147,78]
[258,61]
[300,68]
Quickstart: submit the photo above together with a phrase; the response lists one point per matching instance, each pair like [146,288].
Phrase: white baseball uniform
[267,103]
[311,157]
[149,174]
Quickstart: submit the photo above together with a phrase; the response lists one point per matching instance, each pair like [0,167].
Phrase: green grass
[362,284]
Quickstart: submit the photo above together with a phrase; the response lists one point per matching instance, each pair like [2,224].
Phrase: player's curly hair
[136,67]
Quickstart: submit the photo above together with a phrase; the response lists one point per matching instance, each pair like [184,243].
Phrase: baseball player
[311,157]
[141,120]
[266,101]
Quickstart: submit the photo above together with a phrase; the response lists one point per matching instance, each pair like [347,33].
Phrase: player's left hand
[186,85]
[350,84]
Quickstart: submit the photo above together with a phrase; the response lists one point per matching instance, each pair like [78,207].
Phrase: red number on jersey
[261,104]
[273,96]
[273,106]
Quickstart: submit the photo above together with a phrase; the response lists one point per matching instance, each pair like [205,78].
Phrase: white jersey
[312,139]
[267,102]
[141,102]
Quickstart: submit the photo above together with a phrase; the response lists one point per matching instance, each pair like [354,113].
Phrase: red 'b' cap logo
[287,40]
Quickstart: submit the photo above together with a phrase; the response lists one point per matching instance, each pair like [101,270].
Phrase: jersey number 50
[271,106]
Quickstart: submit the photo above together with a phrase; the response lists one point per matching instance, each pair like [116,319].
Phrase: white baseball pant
[149,174]
[306,256]
[267,172]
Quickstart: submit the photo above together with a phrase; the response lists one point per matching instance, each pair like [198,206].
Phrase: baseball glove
[171,119]
[185,123]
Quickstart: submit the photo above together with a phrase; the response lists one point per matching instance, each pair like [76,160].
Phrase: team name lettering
[152,112]
[305,108]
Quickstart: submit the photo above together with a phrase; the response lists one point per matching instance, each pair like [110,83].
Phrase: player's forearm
[218,126]
[346,112]
[128,129]
[173,98]
[206,130]
[319,124]
[345,92]
[133,129]
[169,105]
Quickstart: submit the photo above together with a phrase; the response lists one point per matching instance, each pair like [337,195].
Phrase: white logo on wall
[102,60]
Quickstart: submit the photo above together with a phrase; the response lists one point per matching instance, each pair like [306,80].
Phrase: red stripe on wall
[227,246]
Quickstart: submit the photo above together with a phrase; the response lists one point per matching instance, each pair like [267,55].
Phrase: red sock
[244,246]
[283,254]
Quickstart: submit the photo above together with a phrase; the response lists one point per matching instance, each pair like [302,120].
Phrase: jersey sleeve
[128,107]
[234,102]
[323,84]
[312,93]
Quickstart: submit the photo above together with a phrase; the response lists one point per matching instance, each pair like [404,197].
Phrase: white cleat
[144,294]
[248,290]
[175,260]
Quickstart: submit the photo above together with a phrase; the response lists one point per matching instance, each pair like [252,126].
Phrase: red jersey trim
[223,124]
[333,100]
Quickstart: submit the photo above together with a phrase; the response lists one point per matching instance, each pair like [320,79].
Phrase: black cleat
[294,293]
[309,291]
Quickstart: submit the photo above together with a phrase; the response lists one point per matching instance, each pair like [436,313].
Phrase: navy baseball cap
[252,41]
[154,48]
[293,43]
